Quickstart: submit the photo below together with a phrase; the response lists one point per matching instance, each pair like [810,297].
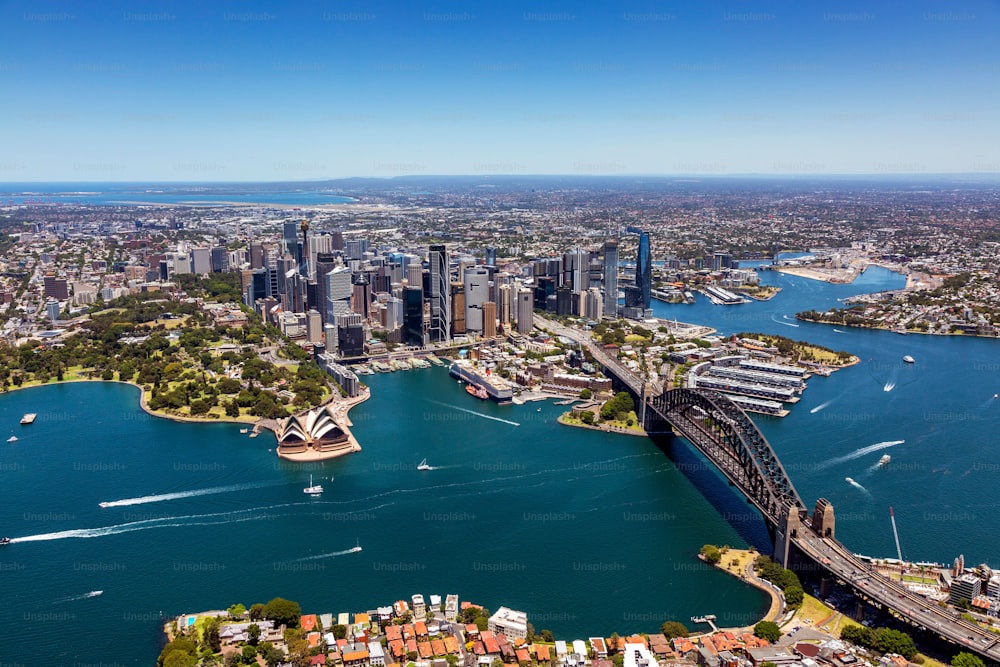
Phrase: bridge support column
[788,528]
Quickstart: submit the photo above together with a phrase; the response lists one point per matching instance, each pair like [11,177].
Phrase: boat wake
[787,324]
[837,331]
[73,598]
[858,453]
[821,406]
[473,412]
[332,554]
[159,498]
[858,486]
[213,519]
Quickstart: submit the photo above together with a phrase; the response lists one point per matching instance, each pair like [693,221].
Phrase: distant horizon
[985,175]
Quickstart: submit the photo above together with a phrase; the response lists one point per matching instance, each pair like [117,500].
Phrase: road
[891,594]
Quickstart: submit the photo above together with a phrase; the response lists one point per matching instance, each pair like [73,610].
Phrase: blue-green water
[941,478]
[585,531]
[112,194]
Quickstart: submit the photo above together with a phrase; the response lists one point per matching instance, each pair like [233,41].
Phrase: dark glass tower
[644,270]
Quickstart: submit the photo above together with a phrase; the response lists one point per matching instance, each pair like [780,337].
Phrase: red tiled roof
[522,655]
[451,644]
[424,648]
[307,622]
[393,632]
[437,646]
[541,652]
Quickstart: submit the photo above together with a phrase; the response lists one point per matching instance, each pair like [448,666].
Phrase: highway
[915,609]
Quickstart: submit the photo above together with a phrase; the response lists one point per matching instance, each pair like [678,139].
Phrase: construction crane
[895,534]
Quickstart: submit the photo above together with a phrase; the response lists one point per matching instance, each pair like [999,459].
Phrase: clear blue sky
[232,90]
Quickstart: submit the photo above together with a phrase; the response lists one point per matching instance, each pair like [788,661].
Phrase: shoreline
[607,429]
[748,576]
[909,332]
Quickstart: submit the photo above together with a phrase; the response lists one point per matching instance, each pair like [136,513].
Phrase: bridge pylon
[789,527]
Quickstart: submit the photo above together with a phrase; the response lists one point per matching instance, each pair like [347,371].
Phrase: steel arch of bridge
[730,440]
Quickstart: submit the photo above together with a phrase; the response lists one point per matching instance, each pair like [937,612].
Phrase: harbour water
[936,418]
[588,532]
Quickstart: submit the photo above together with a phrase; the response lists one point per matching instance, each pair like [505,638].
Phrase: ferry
[884,461]
[908,359]
[478,392]
[29,418]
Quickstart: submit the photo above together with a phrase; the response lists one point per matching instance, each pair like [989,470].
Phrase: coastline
[607,429]
[909,332]
[744,572]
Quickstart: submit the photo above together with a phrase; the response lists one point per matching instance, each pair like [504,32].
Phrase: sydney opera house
[313,432]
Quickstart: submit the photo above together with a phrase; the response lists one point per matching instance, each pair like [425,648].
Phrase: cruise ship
[496,388]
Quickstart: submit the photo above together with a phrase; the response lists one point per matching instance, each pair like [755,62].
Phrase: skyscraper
[489,319]
[338,293]
[525,311]
[413,316]
[477,292]
[439,293]
[458,308]
[491,255]
[644,270]
[290,234]
[611,278]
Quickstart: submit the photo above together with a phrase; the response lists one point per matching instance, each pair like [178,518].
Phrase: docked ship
[496,388]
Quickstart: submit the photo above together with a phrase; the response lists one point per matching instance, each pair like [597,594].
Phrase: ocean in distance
[119,194]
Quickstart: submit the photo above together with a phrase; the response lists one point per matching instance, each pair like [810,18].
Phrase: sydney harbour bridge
[733,444]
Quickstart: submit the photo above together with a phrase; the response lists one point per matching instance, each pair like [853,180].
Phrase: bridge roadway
[826,552]
[892,595]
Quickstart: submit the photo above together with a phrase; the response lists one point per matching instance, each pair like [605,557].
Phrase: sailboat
[12,438]
[313,489]
[357,546]
[423,465]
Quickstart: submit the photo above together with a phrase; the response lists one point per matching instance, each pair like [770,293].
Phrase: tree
[794,596]
[768,630]
[249,654]
[711,554]
[272,655]
[253,634]
[964,659]
[888,640]
[671,629]
[182,644]
[547,636]
[257,612]
[178,658]
[587,417]
[339,631]
[283,612]
[210,635]
[586,393]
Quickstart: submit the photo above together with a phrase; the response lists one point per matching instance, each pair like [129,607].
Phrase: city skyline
[181,93]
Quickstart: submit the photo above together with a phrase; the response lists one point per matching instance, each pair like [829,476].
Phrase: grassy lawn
[741,556]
